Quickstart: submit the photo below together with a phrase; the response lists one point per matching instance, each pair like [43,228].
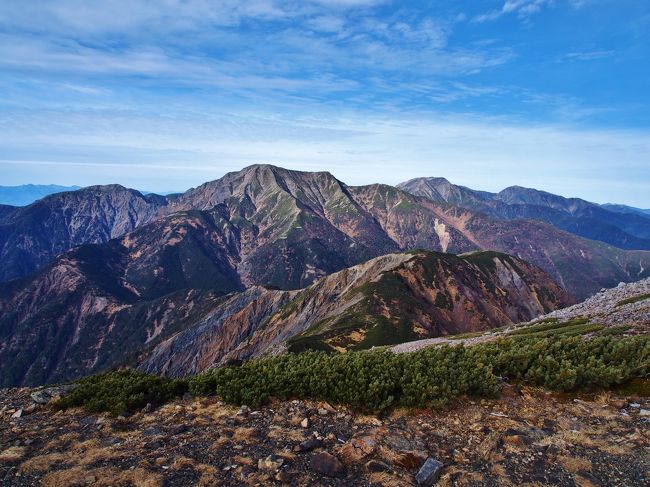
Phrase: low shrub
[376,381]
[122,392]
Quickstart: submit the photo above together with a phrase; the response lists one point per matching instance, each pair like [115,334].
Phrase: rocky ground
[526,437]
[609,307]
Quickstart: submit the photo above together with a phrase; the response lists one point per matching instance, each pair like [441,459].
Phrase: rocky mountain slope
[96,304]
[387,300]
[620,311]
[259,229]
[623,229]
[288,228]
[99,306]
[627,305]
[33,235]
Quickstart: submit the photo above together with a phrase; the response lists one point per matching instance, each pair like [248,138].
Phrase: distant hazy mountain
[625,209]
[618,225]
[28,193]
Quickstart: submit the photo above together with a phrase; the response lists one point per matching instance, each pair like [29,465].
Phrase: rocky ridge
[623,229]
[33,235]
[286,229]
[628,304]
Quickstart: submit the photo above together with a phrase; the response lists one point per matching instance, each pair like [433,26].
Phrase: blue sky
[164,95]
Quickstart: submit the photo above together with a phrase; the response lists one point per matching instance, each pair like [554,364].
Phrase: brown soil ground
[528,437]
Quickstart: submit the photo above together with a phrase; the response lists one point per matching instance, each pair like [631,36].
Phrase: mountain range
[267,259]
[617,225]
[28,193]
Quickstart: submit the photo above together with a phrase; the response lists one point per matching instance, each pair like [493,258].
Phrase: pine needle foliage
[377,381]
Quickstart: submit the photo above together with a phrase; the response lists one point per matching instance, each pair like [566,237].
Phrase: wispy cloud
[523,9]
[306,49]
[178,152]
[108,91]
[590,55]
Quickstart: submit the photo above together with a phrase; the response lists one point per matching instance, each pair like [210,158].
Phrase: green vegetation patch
[122,392]
[635,299]
[547,329]
[376,381]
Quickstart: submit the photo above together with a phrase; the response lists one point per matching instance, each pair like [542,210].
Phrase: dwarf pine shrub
[376,381]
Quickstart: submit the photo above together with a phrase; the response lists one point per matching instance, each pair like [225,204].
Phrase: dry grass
[386,479]
[574,464]
[603,398]
[583,482]
[103,477]
[364,419]
[82,454]
[180,463]
[288,456]
[499,471]
[242,460]
[278,433]
[12,454]
[388,455]
[585,439]
[62,441]
[461,478]
[220,443]
[209,475]
[246,435]
[44,463]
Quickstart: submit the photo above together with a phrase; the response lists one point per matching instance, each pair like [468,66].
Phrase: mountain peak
[443,191]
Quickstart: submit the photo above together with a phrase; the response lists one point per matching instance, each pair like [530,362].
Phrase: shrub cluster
[375,381]
[122,392]
[573,363]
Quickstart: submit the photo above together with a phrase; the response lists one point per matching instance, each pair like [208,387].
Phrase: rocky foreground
[527,437]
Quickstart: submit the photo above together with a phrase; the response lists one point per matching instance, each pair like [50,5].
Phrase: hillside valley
[90,311]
